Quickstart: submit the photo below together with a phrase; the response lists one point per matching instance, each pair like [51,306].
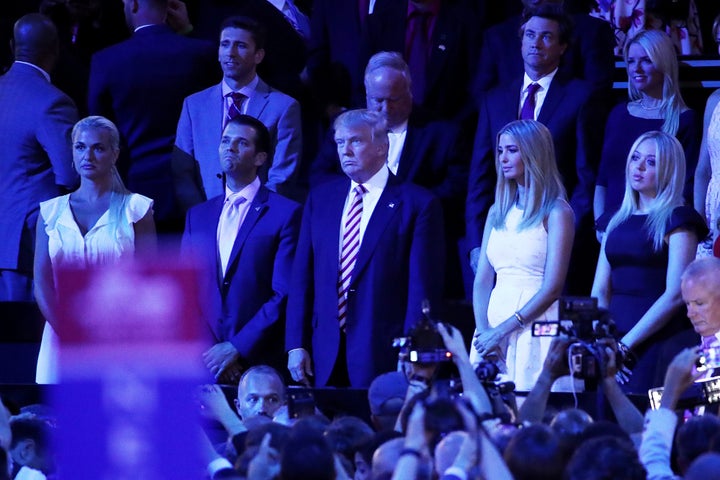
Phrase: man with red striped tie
[371,249]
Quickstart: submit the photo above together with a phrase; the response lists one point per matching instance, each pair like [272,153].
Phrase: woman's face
[643,73]
[93,154]
[511,162]
[642,169]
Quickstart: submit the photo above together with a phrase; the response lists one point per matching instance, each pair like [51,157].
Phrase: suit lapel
[258,100]
[553,100]
[388,206]
[256,210]
[331,209]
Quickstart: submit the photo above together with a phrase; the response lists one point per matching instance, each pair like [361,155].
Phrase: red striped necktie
[350,248]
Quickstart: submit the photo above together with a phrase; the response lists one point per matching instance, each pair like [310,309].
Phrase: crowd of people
[342,170]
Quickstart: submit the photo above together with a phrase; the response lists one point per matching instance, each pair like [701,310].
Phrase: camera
[709,359]
[423,343]
[585,323]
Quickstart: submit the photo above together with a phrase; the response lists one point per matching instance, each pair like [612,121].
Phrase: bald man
[35,158]
[700,289]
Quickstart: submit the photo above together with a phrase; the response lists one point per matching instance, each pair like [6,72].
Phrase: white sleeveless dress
[67,246]
[518,258]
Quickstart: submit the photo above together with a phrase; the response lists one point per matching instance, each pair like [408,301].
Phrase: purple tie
[528,108]
[235,107]
[350,248]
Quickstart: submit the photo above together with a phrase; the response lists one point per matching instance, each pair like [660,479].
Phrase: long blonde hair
[660,50]
[670,174]
[543,185]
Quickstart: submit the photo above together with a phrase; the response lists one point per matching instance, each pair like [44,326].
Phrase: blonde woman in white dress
[525,253]
[100,223]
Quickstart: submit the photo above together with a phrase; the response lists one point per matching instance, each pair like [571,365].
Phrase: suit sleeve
[302,291]
[185,169]
[589,134]
[481,179]
[288,151]
[272,311]
[99,101]
[53,133]
[427,261]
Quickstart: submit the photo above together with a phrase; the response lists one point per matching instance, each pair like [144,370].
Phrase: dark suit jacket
[454,52]
[589,57]
[400,263]
[140,84]
[35,158]
[433,157]
[569,113]
[247,306]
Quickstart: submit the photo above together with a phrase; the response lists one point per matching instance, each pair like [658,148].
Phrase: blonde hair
[670,175]
[119,195]
[660,50]
[543,185]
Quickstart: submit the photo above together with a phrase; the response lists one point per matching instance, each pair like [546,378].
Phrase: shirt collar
[248,192]
[375,183]
[246,90]
[140,27]
[544,82]
[402,128]
[44,73]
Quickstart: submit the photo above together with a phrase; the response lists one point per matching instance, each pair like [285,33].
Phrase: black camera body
[423,344]
[585,323]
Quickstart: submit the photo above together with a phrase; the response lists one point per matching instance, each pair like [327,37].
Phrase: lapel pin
[391,205]
[441,48]
[257,209]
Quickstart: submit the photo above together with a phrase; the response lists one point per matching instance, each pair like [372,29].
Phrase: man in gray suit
[195,168]
[36,156]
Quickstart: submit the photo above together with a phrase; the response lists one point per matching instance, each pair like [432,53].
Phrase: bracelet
[519,319]
[412,452]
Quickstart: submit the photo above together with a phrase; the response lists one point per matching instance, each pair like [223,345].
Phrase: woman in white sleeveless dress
[526,250]
[100,223]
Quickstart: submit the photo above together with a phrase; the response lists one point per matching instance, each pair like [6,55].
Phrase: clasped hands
[488,341]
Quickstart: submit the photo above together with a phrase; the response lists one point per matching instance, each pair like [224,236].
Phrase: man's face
[387,92]
[361,156]
[238,54]
[238,157]
[259,394]
[703,305]
[541,47]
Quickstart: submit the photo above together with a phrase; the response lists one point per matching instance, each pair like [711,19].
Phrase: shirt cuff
[217,465]
[454,473]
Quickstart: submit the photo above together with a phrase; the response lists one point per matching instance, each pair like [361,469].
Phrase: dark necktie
[235,107]
[528,109]
[417,56]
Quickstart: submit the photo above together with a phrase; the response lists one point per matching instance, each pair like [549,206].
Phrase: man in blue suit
[567,107]
[241,91]
[36,155]
[140,84]
[371,249]
[245,249]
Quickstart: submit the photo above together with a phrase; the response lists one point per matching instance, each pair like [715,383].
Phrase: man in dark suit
[589,55]
[245,241]
[36,155]
[140,84]
[242,91]
[429,154]
[370,251]
[564,105]
[439,40]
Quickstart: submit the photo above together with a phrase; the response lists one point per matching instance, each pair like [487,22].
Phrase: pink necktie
[228,226]
[350,248]
[528,108]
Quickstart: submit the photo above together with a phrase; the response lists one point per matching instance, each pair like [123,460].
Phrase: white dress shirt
[544,83]
[374,186]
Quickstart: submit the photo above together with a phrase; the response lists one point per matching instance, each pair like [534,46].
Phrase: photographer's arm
[660,424]
[555,366]
[213,404]
[626,413]
[414,446]
[473,389]
[682,246]
[561,231]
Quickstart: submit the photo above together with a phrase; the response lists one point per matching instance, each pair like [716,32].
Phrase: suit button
[226,284]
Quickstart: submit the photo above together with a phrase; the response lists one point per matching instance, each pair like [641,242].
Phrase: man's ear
[259,55]
[25,450]
[260,158]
